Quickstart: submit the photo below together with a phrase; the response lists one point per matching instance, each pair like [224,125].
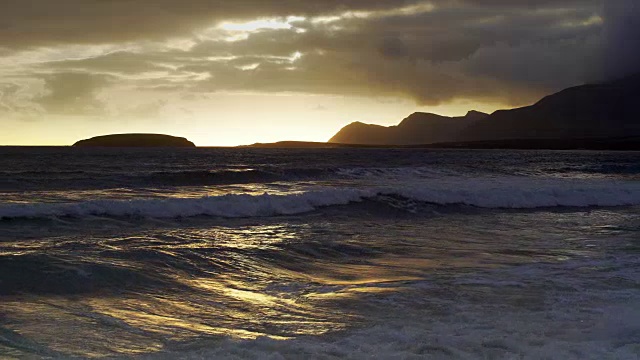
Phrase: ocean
[319,254]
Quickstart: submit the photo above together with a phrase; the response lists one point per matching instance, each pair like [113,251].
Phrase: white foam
[231,206]
[513,337]
[512,193]
[555,313]
[523,193]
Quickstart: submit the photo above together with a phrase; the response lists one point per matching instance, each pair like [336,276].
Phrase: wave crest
[512,193]
[231,206]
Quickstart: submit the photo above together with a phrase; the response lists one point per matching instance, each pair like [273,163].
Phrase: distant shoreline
[602,144]
[599,144]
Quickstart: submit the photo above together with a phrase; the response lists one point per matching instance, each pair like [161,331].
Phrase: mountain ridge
[599,110]
[409,131]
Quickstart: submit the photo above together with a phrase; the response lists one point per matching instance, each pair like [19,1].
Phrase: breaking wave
[506,193]
[232,206]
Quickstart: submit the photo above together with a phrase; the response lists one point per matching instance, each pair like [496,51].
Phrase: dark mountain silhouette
[590,111]
[627,143]
[605,110]
[135,140]
[419,128]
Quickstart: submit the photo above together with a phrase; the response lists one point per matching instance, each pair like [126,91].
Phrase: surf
[487,193]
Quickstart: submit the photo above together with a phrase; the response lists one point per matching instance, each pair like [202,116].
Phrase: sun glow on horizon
[232,119]
[296,71]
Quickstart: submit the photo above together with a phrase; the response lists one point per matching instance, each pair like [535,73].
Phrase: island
[136,140]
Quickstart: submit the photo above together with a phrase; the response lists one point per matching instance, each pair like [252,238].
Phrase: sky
[224,73]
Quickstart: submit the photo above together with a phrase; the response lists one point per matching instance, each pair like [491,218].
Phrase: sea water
[319,253]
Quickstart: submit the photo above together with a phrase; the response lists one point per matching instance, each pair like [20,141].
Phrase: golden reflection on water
[186,192]
[247,291]
[244,295]
[71,327]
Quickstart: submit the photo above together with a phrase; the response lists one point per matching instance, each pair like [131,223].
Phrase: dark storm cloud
[483,53]
[484,50]
[622,52]
[394,47]
[37,22]
[45,22]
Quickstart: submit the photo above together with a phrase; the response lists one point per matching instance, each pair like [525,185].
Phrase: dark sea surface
[319,253]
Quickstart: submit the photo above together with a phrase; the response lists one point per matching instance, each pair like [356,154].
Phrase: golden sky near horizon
[231,73]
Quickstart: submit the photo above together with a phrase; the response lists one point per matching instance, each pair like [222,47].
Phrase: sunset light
[320,179]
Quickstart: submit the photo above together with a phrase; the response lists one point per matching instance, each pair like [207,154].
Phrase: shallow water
[320,253]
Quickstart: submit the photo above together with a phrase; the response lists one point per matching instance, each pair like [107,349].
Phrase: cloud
[8,92]
[16,98]
[26,23]
[119,62]
[496,54]
[434,52]
[150,110]
[393,47]
[72,94]
[622,27]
